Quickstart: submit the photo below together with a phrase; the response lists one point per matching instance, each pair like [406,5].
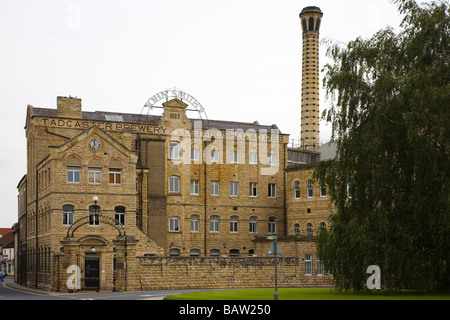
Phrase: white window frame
[297,194]
[174,150]
[115,173]
[195,154]
[308,264]
[174,224]
[95,174]
[253,225]
[234,224]
[174,184]
[215,156]
[320,268]
[322,189]
[72,174]
[234,156]
[195,187]
[309,230]
[253,190]
[68,215]
[234,189]
[120,216]
[214,224]
[309,189]
[253,158]
[195,223]
[272,225]
[272,190]
[214,188]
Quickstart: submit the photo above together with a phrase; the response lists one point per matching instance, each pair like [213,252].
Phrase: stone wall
[157,273]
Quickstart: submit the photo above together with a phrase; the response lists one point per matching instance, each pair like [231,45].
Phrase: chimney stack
[310,18]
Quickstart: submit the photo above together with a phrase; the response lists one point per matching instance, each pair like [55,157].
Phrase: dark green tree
[390,100]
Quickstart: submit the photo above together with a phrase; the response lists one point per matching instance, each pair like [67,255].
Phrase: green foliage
[391,123]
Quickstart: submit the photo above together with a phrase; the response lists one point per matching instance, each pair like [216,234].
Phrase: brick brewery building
[139,201]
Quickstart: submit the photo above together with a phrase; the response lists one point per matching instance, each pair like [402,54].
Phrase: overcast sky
[241,59]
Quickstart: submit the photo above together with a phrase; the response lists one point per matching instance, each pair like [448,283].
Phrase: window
[309,188]
[322,225]
[214,252]
[234,189]
[115,176]
[234,224]
[215,156]
[323,191]
[214,224]
[174,150]
[272,226]
[174,225]
[95,175]
[195,187]
[253,189]
[234,253]
[174,252]
[119,215]
[94,216]
[272,159]
[115,172]
[309,230]
[174,184]
[253,227]
[297,229]
[194,253]
[297,189]
[195,154]
[253,158]
[233,157]
[320,268]
[308,264]
[272,190]
[68,215]
[73,174]
[195,224]
[214,188]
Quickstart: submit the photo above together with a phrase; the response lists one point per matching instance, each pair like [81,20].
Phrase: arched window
[174,252]
[309,188]
[297,189]
[309,230]
[195,224]
[120,215]
[297,229]
[94,215]
[234,253]
[194,253]
[272,226]
[253,228]
[174,184]
[68,215]
[214,224]
[234,224]
[214,252]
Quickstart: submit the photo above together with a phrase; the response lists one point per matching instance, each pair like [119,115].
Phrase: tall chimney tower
[310,124]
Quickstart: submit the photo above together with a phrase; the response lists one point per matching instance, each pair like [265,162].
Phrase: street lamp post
[275,250]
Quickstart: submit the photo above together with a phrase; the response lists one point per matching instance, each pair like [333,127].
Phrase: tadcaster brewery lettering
[107,126]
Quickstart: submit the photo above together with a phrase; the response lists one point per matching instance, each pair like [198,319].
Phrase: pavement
[15,286]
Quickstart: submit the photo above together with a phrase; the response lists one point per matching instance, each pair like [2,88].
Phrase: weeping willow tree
[390,100]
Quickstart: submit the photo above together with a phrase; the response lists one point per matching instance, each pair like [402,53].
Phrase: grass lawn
[307,294]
